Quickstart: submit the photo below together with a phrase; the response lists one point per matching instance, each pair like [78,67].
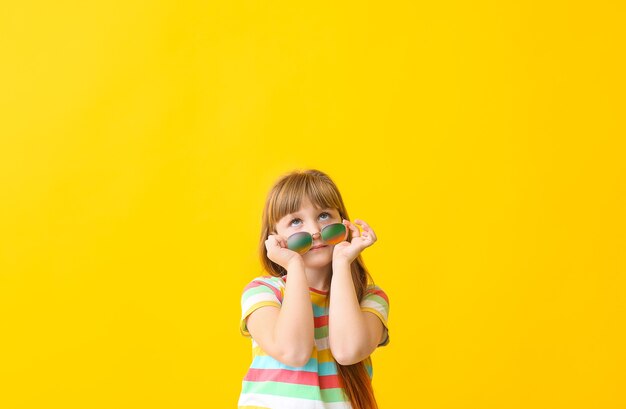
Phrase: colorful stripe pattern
[271,384]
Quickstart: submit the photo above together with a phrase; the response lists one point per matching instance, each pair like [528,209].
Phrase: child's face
[312,220]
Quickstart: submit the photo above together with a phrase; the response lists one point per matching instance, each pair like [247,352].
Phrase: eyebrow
[298,212]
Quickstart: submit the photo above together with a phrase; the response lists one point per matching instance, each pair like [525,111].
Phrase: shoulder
[267,281]
[375,299]
[265,284]
[260,292]
[374,291]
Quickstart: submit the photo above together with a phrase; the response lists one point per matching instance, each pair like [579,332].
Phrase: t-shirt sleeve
[260,292]
[376,301]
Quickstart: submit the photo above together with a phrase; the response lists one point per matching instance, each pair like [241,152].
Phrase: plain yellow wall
[482,140]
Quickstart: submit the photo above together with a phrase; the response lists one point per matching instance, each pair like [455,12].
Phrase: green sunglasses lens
[300,242]
[334,233]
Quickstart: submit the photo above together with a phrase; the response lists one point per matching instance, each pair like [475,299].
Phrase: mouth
[317,247]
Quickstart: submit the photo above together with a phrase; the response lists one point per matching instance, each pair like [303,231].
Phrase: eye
[323,216]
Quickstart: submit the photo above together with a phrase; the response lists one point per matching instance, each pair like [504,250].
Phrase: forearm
[294,327]
[347,331]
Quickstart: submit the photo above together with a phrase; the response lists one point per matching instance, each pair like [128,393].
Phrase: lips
[317,247]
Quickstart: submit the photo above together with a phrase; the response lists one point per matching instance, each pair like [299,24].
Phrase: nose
[318,234]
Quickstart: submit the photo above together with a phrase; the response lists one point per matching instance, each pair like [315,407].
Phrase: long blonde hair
[286,197]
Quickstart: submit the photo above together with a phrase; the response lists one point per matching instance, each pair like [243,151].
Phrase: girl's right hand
[278,252]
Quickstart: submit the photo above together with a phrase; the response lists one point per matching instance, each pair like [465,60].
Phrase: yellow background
[482,140]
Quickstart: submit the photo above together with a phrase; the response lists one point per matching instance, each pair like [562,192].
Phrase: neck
[319,278]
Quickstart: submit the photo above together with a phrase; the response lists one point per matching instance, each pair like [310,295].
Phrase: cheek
[283,232]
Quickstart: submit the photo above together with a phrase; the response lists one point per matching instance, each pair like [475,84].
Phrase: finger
[370,233]
[275,240]
[366,228]
[361,222]
[355,230]
[280,242]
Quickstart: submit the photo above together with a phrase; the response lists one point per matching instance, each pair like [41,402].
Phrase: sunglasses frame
[302,241]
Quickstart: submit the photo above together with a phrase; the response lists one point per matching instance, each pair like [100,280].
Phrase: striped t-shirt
[271,384]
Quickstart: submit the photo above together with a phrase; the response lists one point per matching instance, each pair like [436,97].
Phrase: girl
[317,317]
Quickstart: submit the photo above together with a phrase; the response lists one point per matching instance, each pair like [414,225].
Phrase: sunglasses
[332,234]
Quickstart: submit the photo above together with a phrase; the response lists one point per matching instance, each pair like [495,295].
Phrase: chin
[318,260]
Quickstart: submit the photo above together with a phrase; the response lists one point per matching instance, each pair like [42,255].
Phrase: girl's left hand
[350,250]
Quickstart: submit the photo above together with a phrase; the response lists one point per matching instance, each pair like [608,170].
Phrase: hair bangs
[289,196]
